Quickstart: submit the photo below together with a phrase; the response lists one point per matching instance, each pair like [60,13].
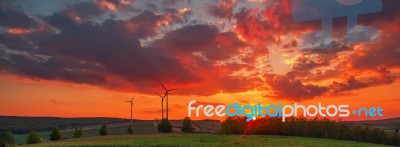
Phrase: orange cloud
[19,31]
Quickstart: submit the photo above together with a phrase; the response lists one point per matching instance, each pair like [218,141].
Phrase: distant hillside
[386,124]
[23,125]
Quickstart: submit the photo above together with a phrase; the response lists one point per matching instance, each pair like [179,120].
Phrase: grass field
[140,127]
[146,134]
[201,140]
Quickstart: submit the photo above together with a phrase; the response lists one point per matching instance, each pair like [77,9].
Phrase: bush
[77,133]
[3,143]
[393,139]
[55,134]
[129,130]
[33,138]
[6,138]
[233,125]
[164,126]
[187,125]
[103,130]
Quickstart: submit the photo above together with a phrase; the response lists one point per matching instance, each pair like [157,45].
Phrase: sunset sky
[80,58]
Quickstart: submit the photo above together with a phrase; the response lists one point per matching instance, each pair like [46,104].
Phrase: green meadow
[208,140]
[146,134]
[141,127]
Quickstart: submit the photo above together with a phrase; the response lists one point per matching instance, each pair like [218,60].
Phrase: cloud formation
[201,49]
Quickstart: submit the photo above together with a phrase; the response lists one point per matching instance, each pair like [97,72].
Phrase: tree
[130,130]
[77,133]
[187,125]
[33,138]
[103,130]
[394,139]
[55,134]
[7,138]
[3,143]
[235,125]
[164,126]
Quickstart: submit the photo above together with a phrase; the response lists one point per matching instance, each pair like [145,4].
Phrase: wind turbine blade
[163,86]
[159,95]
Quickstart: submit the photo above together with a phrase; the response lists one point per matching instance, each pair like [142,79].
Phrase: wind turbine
[162,105]
[131,101]
[166,95]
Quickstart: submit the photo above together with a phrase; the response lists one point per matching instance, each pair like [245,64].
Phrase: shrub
[103,130]
[233,125]
[378,136]
[33,138]
[77,133]
[393,139]
[55,134]
[187,125]
[164,126]
[3,143]
[6,138]
[129,130]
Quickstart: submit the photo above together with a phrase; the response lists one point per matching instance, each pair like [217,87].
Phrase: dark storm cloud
[385,55]
[213,46]
[118,48]
[54,69]
[288,87]
[11,17]
[15,42]
[190,38]
[145,24]
[352,84]
[86,9]
[305,64]
[112,45]
[106,53]
[222,8]
[174,2]
[202,38]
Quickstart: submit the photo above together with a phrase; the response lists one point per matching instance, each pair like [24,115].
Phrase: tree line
[24,125]
[317,128]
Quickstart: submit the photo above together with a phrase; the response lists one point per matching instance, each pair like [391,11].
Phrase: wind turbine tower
[131,101]
[162,105]
[166,95]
